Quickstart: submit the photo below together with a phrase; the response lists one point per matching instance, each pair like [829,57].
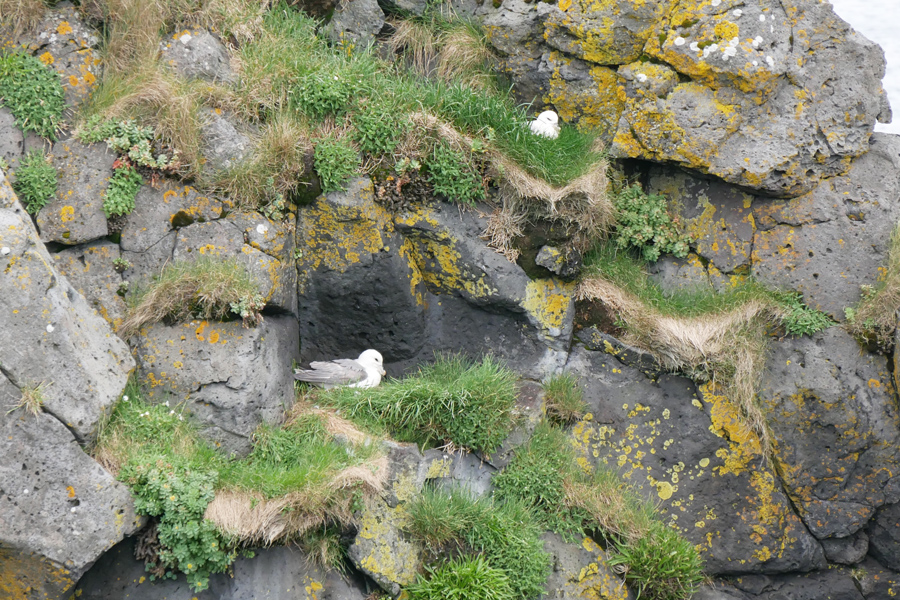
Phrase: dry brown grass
[609,508]
[254,519]
[874,319]
[727,348]
[282,154]
[18,16]
[417,42]
[32,400]
[334,424]
[202,289]
[505,225]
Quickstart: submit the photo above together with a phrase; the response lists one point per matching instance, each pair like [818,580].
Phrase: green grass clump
[207,288]
[469,404]
[643,223]
[544,476]
[463,578]
[336,161]
[174,474]
[563,398]
[36,181]
[661,565]
[505,534]
[874,319]
[33,92]
[453,176]
[123,187]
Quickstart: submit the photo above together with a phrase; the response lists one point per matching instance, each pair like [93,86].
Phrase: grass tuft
[17,16]
[505,534]
[563,398]
[208,288]
[469,404]
[462,578]
[32,399]
[874,319]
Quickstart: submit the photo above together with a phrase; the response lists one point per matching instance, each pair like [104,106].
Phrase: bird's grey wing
[336,372]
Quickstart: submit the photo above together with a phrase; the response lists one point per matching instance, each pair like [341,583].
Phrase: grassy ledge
[710,336]
[452,400]
[295,482]
[208,288]
[874,319]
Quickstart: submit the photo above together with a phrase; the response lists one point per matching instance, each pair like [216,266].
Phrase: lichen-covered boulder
[230,378]
[59,509]
[197,54]
[48,331]
[91,270]
[277,573]
[768,95]
[836,428]
[383,551]
[147,238]
[687,449]
[581,571]
[63,42]
[76,214]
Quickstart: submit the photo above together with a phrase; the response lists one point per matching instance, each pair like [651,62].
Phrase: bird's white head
[548,116]
[372,358]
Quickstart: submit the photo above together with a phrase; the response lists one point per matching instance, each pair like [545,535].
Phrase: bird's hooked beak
[383,372]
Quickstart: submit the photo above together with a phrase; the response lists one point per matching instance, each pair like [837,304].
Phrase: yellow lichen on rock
[549,303]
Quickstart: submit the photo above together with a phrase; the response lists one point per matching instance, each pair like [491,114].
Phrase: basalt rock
[197,54]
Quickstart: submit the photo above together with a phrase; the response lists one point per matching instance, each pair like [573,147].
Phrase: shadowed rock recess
[752,118]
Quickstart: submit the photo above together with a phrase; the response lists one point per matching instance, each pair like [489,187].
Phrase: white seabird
[546,124]
[364,372]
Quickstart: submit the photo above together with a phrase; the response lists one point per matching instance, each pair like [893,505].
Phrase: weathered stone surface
[59,510]
[148,236]
[197,54]
[679,273]
[65,43]
[90,270]
[580,571]
[685,447]
[13,143]
[884,536]
[223,145]
[382,550]
[798,100]
[876,582]
[465,472]
[76,214]
[718,591]
[565,262]
[827,243]
[836,428]
[846,550]
[278,573]
[356,23]
[833,584]
[49,333]
[231,378]
[230,238]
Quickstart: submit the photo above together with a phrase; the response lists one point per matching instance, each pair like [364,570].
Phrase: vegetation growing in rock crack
[206,288]
[336,161]
[505,534]
[563,398]
[32,399]
[658,562]
[124,137]
[462,578]
[36,181]
[874,319]
[643,223]
[452,400]
[206,506]
[33,93]
[118,199]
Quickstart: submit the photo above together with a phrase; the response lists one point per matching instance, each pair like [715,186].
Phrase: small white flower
[762,18]
[5,250]
[335,78]
[166,403]
[679,41]
[180,417]
[641,77]
[737,12]
[50,328]
[124,398]
[171,412]
[695,46]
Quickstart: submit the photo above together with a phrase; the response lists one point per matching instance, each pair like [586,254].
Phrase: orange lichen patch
[30,576]
[67,213]
[593,109]
[416,281]
[64,28]
[549,302]
[46,58]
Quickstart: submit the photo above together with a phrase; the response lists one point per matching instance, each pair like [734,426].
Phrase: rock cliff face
[753,118]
